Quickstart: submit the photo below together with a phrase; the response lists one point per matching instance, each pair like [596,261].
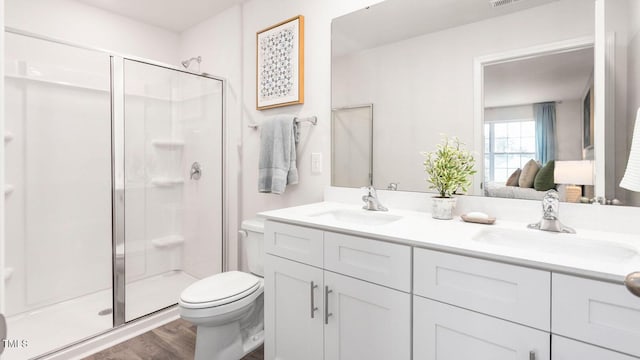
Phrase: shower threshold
[58,325]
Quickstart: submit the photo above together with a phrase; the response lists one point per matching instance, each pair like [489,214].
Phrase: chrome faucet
[550,214]
[371,201]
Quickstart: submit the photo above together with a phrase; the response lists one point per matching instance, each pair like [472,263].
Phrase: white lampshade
[631,178]
[578,172]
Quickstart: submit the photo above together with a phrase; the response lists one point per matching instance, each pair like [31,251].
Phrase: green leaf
[450,167]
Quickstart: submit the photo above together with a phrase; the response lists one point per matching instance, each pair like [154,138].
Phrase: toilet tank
[252,234]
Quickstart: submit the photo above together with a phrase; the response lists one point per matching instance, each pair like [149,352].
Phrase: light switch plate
[316,163]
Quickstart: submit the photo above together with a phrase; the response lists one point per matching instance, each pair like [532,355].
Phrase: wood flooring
[173,341]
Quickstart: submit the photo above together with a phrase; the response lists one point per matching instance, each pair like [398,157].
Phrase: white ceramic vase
[442,207]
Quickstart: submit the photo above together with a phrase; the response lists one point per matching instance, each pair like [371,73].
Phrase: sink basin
[360,217]
[558,243]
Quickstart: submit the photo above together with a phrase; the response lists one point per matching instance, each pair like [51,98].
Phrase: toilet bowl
[227,308]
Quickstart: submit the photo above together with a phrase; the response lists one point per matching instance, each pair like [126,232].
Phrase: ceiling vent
[498,3]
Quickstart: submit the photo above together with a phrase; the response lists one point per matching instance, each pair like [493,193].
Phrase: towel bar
[311,119]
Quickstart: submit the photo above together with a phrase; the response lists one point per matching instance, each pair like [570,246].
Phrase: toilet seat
[220,289]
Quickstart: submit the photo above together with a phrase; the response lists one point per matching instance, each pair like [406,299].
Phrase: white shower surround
[59,163]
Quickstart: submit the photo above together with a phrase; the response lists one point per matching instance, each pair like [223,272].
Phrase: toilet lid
[220,288]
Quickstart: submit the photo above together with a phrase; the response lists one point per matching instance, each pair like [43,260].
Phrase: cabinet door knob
[632,282]
[313,305]
[326,304]
[532,355]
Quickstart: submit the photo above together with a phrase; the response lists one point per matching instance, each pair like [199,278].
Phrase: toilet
[227,308]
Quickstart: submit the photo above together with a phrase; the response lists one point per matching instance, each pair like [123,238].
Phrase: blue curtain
[545,116]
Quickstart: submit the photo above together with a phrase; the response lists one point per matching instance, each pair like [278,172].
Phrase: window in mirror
[508,146]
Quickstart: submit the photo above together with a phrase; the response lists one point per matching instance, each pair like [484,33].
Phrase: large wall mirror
[516,83]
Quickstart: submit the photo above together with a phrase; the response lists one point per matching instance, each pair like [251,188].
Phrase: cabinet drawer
[565,349]
[445,332]
[510,292]
[293,242]
[371,260]
[596,312]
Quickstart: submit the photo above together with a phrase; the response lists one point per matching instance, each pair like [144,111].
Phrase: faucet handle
[370,190]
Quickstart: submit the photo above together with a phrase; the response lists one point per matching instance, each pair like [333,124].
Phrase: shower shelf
[8,189]
[8,136]
[168,241]
[166,182]
[168,144]
[8,272]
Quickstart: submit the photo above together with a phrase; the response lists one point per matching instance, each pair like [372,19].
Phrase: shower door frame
[118,169]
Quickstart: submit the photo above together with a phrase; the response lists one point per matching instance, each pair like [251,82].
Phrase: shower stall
[113,189]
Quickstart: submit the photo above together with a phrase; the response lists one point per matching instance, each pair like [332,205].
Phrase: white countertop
[583,254]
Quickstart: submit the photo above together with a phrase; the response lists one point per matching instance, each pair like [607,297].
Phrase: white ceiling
[554,77]
[173,15]
[394,20]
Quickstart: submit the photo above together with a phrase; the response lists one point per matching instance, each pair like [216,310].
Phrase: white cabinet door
[566,349]
[293,330]
[445,332]
[596,312]
[366,321]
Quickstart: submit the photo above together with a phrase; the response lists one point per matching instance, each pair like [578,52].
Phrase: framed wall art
[280,64]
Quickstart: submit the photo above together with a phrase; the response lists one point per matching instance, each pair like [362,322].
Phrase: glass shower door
[57,148]
[173,184]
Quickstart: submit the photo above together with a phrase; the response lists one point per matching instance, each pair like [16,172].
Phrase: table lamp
[572,174]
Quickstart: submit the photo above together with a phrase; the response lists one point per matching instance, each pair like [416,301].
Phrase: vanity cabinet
[566,349]
[596,312]
[338,300]
[293,242]
[510,292]
[467,308]
[293,310]
[365,321]
[446,332]
[331,296]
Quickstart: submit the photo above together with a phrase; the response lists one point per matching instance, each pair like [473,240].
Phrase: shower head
[187,62]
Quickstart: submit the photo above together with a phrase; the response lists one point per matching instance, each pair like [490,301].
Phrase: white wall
[83,24]
[258,15]
[568,130]
[219,41]
[227,43]
[422,87]
[507,113]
